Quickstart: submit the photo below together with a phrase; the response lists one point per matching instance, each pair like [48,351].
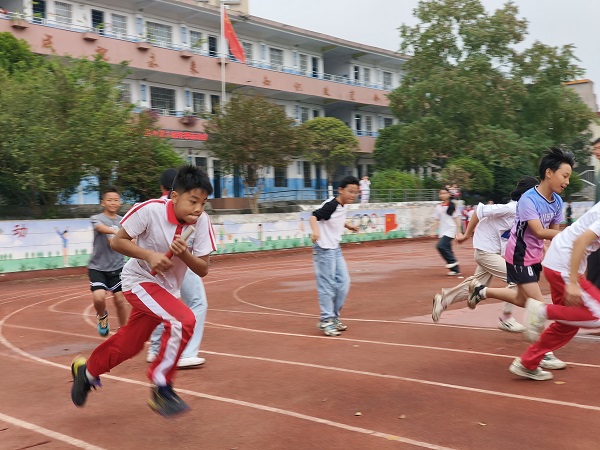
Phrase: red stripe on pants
[151,305]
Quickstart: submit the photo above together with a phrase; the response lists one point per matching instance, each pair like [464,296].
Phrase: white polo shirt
[447,223]
[154,225]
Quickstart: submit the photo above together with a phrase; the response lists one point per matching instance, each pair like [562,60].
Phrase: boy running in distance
[333,281]
[105,265]
[156,226]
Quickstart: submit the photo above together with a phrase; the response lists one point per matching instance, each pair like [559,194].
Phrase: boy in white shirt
[151,282]
[333,281]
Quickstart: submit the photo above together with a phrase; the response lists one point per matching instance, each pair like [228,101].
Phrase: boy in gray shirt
[105,265]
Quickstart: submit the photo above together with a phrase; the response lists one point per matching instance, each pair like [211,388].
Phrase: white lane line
[49,433]
[413,380]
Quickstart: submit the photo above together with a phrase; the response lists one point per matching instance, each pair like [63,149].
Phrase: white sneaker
[328,328]
[438,307]
[188,363]
[451,265]
[452,273]
[551,362]
[150,357]
[538,374]
[534,321]
[511,325]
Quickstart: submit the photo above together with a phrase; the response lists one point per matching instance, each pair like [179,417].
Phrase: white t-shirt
[154,225]
[365,185]
[493,229]
[558,256]
[331,218]
[447,223]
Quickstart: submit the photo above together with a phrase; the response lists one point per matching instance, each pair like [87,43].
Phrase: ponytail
[451,208]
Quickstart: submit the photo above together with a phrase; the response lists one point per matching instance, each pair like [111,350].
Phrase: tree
[468,92]
[470,175]
[330,143]
[391,183]
[250,134]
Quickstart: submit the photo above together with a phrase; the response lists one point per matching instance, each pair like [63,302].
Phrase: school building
[175,50]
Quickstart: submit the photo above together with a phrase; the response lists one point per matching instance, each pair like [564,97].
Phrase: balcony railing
[106,31]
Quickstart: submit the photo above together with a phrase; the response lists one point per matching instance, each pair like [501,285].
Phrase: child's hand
[573,295]
[353,228]
[314,237]
[178,246]
[159,263]
[460,238]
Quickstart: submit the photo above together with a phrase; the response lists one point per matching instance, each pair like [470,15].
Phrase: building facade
[174,50]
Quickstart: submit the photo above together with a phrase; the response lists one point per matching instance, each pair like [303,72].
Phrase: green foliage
[16,55]
[252,133]
[330,143]
[469,92]
[470,175]
[61,120]
[394,179]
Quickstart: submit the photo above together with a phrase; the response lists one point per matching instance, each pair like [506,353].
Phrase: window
[124,92]
[366,75]
[356,74]
[162,100]
[215,101]
[316,113]
[369,124]
[307,179]
[201,162]
[303,64]
[198,102]
[358,123]
[159,34]
[304,114]
[212,46]
[387,80]
[276,58]
[63,13]
[280,176]
[388,122]
[248,52]
[119,25]
[196,40]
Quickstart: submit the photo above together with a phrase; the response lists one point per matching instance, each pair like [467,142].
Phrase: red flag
[234,44]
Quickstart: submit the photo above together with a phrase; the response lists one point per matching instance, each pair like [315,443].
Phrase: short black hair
[108,190]
[553,158]
[597,141]
[167,178]
[191,177]
[523,185]
[350,179]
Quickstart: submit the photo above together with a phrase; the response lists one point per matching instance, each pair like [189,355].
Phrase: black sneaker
[475,296]
[81,384]
[166,402]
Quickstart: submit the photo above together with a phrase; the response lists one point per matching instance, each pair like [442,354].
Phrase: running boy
[564,267]
[333,281]
[538,217]
[156,226]
[105,265]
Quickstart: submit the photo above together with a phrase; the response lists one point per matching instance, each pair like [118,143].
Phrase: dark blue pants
[444,246]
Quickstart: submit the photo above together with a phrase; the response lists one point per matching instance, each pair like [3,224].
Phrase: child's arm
[434,228]
[351,227]
[197,264]
[124,244]
[470,228]
[535,225]
[314,237]
[572,289]
[104,229]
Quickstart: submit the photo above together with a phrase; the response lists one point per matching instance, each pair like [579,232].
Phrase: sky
[375,22]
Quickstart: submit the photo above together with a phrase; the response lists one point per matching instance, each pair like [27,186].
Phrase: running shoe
[339,325]
[475,288]
[81,385]
[328,328]
[438,307]
[190,362]
[510,325]
[534,320]
[451,265]
[537,374]
[166,402]
[551,362]
[150,357]
[103,327]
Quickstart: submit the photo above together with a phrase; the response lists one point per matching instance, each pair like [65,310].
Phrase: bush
[390,185]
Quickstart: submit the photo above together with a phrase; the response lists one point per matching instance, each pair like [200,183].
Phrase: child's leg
[324,263]
[342,280]
[122,306]
[99,298]
[125,344]
[193,295]
[557,334]
[443,247]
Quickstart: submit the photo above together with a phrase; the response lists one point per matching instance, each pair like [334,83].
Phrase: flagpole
[223,48]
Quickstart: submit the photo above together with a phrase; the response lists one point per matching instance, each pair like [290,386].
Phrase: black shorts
[523,274]
[108,281]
